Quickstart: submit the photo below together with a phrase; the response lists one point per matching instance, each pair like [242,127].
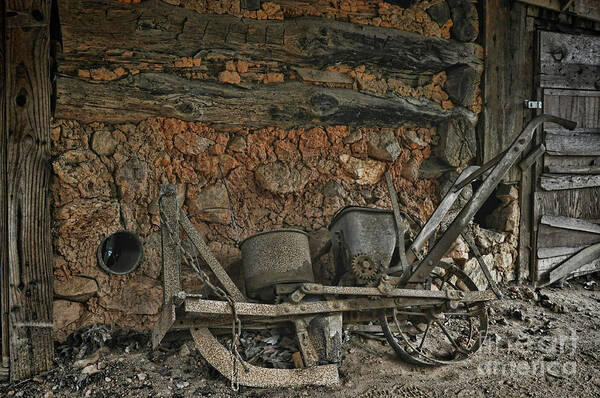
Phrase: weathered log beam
[150,40]
[286,104]
[156,31]
[28,148]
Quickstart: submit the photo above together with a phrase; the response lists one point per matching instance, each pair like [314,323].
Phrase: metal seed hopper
[429,311]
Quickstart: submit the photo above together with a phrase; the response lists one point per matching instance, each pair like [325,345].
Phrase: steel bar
[532,157]
[479,172]
[201,306]
[400,232]
[216,267]
[471,243]
[313,288]
[420,272]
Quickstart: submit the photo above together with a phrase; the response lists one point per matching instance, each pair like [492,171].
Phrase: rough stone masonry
[107,176]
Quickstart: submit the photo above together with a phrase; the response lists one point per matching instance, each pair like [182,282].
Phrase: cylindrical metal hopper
[273,257]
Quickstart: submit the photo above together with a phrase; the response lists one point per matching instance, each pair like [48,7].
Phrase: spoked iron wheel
[438,335]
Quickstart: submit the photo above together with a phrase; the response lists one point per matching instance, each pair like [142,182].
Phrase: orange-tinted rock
[230,77]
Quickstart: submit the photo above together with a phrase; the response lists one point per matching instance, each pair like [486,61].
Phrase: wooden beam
[257,105]
[148,54]
[555,182]
[29,235]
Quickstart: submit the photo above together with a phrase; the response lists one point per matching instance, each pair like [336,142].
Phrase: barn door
[567,191]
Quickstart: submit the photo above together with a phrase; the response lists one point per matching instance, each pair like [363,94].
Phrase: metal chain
[236,324]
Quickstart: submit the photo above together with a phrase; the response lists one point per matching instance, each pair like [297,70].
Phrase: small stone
[439,13]
[103,143]
[141,376]
[49,394]
[237,144]
[65,315]
[75,288]
[507,193]
[107,379]
[410,171]
[230,77]
[332,189]
[90,369]
[486,238]
[200,201]
[132,179]
[278,177]
[355,136]
[365,172]
[383,145]
[465,20]
[182,384]
[459,251]
[184,350]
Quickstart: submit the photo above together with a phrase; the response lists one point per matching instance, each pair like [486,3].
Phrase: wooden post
[27,131]
[3,197]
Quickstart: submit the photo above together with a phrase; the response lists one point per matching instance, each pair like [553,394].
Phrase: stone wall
[107,176]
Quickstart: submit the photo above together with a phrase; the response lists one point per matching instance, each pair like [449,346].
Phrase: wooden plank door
[568,176]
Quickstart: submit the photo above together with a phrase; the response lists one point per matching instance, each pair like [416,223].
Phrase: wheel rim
[436,335]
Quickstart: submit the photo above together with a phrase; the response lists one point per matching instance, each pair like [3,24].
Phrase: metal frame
[189,311]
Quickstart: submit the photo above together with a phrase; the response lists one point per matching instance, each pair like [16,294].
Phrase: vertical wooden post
[27,113]
[3,196]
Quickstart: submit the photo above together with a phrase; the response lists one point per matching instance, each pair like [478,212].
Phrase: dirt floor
[540,343]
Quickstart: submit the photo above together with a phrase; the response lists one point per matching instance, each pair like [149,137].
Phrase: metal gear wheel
[364,268]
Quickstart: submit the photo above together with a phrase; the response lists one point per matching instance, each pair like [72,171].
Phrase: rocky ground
[540,343]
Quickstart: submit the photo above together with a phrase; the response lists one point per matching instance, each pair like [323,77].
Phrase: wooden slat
[589,9]
[547,252]
[570,223]
[549,263]
[569,61]
[566,162]
[29,235]
[574,144]
[586,256]
[554,182]
[573,170]
[555,237]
